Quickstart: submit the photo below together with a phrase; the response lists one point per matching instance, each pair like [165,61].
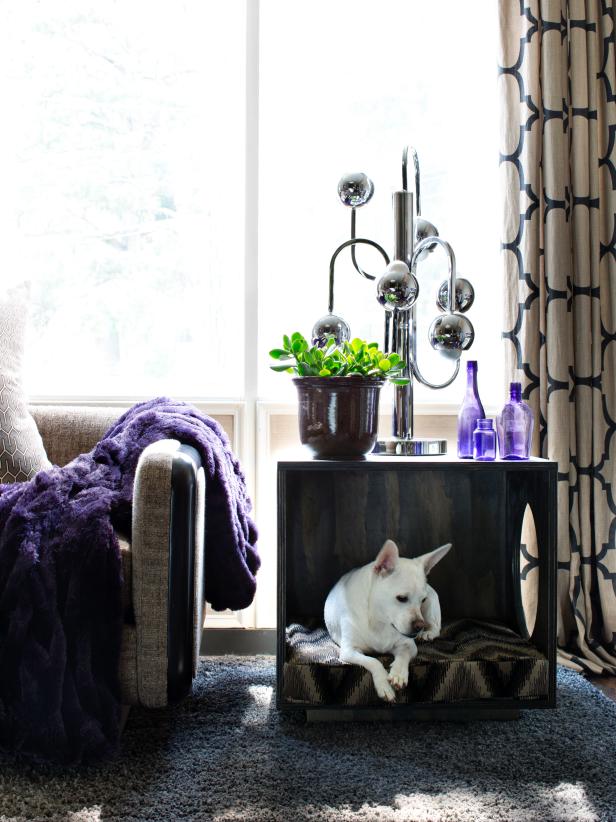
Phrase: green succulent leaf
[356,358]
[278,353]
[299,346]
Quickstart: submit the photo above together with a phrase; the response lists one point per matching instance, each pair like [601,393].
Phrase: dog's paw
[398,678]
[429,633]
[384,689]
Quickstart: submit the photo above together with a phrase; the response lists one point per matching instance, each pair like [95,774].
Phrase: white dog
[383,607]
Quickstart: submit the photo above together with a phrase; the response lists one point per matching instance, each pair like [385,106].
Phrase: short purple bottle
[514,426]
[484,441]
[470,411]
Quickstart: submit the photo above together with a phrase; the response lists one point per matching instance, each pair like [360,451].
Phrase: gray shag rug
[226,754]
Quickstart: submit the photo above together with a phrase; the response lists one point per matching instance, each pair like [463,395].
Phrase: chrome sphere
[423,229]
[451,334]
[355,190]
[465,295]
[397,288]
[330,326]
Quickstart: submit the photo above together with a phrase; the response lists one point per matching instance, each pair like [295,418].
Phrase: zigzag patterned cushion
[470,660]
[22,453]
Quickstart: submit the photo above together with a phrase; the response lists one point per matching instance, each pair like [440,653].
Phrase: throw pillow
[22,453]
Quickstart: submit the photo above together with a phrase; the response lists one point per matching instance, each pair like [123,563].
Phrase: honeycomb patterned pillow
[22,453]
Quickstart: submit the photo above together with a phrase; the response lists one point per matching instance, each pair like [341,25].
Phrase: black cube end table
[334,515]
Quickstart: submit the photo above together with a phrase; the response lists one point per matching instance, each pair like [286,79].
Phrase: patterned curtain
[558,164]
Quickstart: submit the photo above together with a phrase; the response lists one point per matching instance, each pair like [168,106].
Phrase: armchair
[162,562]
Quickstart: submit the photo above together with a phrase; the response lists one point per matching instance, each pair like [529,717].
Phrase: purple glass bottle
[471,410]
[515,426]
[484,441]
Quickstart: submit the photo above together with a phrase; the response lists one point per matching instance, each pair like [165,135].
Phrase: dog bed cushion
[470,660]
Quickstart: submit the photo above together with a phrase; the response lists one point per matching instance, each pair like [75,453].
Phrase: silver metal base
[414,447]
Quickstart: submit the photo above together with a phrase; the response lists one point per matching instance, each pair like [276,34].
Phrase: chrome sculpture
[451,332]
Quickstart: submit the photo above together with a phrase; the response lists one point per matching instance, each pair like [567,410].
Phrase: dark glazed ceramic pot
[338,416]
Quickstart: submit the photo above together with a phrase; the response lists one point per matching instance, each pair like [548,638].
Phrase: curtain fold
[558,165]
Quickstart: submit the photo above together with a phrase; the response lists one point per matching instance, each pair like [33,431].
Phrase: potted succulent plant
[338,386]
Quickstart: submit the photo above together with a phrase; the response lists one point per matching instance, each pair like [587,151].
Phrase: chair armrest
[167,569]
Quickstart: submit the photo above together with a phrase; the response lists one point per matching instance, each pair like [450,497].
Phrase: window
[344,87]
[169,176]
[123,178]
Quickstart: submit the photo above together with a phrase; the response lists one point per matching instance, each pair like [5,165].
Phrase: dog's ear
[429,560]
[387,558]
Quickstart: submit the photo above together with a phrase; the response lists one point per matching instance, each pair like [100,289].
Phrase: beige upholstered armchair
[162,564]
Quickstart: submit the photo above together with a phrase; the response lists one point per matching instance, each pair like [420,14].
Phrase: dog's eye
[401,598]
[423,600]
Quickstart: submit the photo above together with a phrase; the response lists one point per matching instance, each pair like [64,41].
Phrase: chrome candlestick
[450,333]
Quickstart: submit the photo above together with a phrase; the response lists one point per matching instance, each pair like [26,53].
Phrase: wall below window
[237,641]
[284,435]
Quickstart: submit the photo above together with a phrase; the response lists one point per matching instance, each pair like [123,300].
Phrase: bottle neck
[515,392]
[471,379]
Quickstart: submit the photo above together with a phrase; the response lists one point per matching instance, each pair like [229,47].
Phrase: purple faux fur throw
[60,579]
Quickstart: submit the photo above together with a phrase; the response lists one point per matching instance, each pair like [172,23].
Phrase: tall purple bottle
[514,426]
[470,411]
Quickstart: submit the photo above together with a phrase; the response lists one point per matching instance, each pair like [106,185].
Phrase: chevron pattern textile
[557,78]
[22,453]
[470,660]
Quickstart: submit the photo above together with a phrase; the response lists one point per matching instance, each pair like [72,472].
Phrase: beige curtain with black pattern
[558,164]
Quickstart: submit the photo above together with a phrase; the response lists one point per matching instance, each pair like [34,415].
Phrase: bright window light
[122,169]
[344,86]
